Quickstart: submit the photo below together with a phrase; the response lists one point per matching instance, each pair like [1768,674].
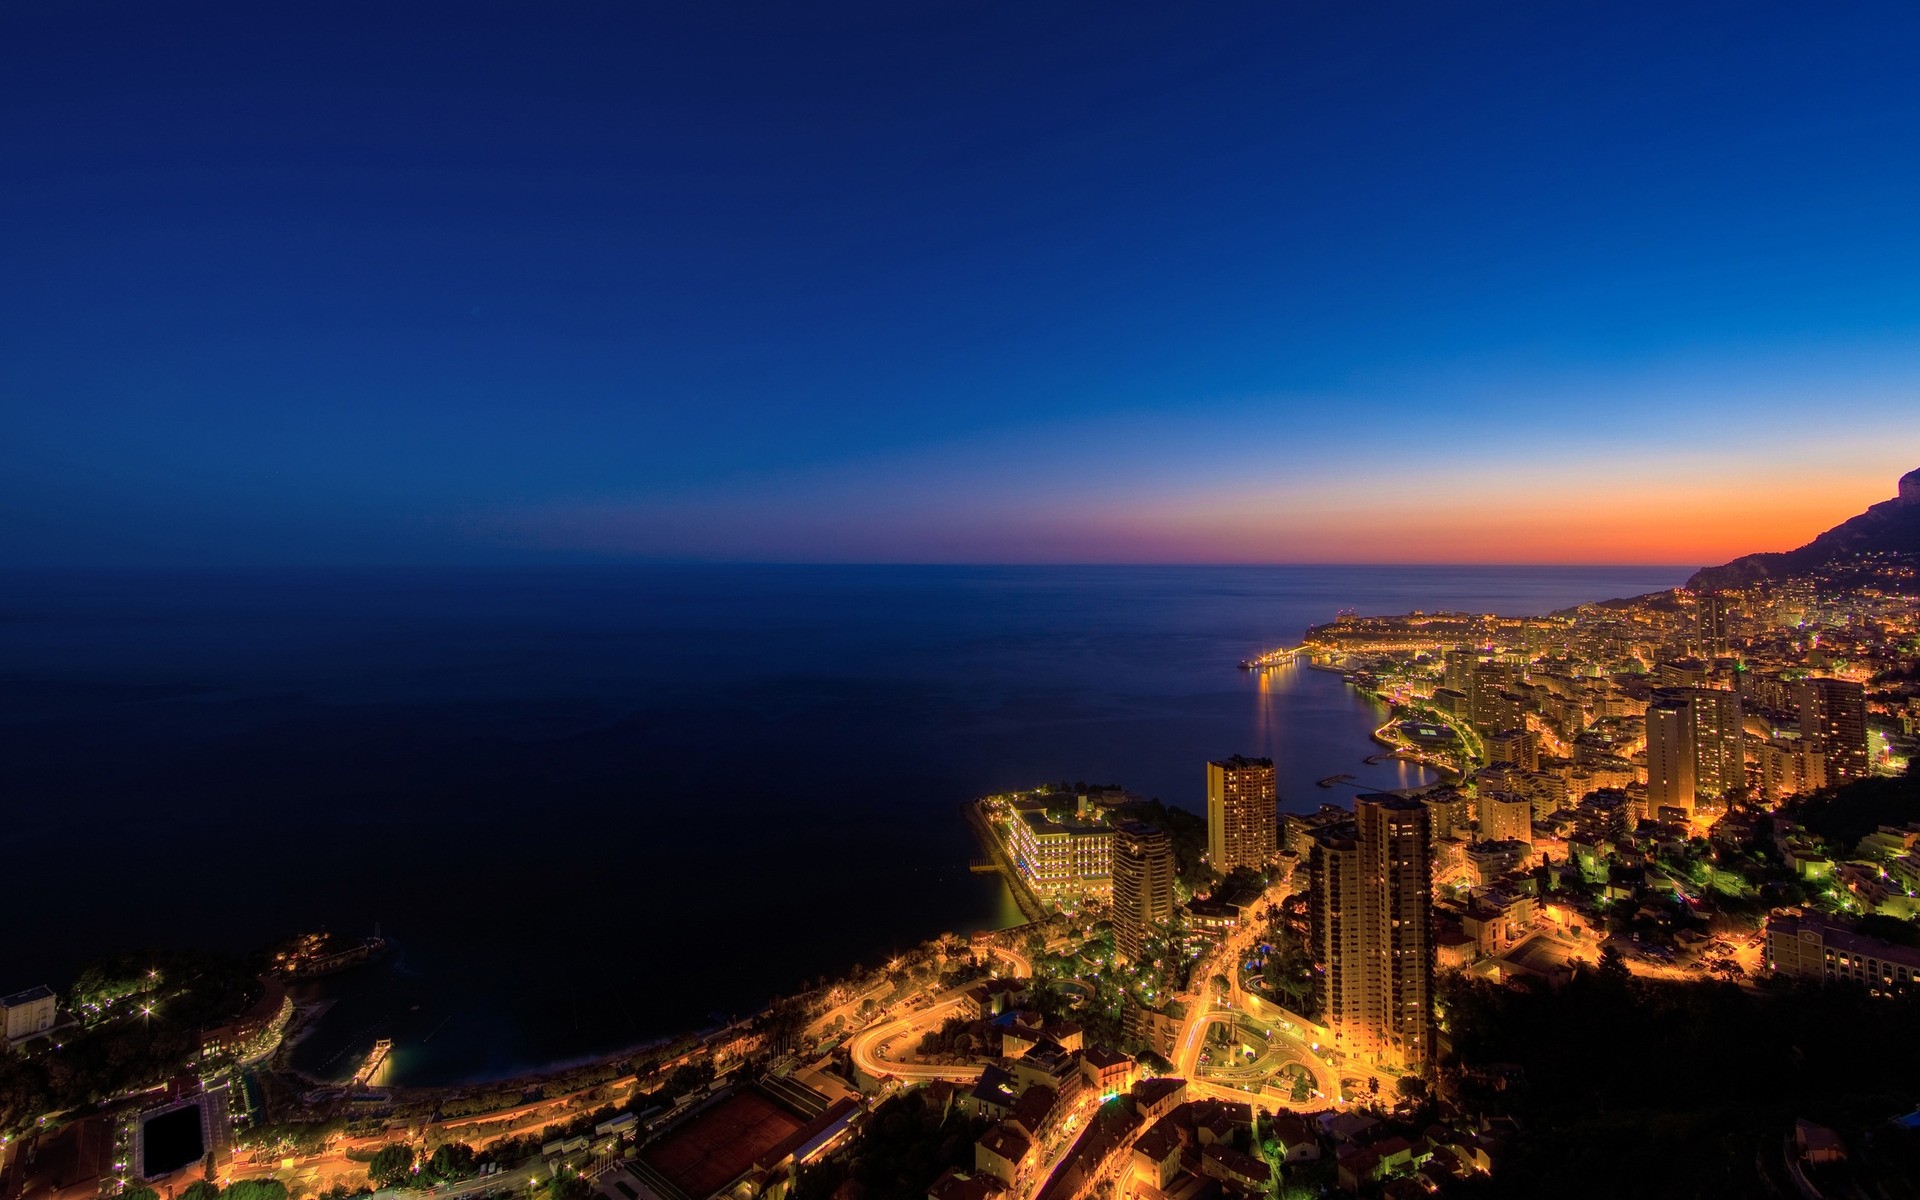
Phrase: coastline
[1028,904]
[1023,897]
[1172,703]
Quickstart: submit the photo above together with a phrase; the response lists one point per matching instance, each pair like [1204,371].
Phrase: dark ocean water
[599,805]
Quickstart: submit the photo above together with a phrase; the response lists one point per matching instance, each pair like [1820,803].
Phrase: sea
[596,806]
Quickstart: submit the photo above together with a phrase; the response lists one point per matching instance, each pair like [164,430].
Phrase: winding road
[1203,1010]
[872,1047]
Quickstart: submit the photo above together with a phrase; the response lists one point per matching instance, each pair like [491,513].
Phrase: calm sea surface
[599,805]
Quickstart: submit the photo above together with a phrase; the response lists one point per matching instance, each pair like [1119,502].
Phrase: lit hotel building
[1243,813]
[1064,864]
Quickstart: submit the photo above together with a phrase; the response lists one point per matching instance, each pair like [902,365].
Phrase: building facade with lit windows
[1719,743]
[30,1013]
[1142,885]
[1505,817]
[1243,813]
[1833,717]
[1064,863]
[1811,947]
[1670,782]
[1372,932]
[1715,625]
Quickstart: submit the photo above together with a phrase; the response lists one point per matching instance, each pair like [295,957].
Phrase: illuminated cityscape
[1681,790]
[990,601]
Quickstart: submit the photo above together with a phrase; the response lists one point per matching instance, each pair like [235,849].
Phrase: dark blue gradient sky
[391,282]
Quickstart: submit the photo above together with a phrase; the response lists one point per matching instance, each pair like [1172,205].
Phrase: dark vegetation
[903,1148]
[120,1045]
[204,1189]
[1627,1088]
[1842,816]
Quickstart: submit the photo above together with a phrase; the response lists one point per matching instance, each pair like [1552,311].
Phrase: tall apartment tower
[1142,885]
[1719,745]
[1715,638]
[1833,717]
[1372,930]
[1670,750]
[1695,747]
[1492,706]
[1243,813]
[1457,669]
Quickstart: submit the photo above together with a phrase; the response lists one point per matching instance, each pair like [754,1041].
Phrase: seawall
[1030,906]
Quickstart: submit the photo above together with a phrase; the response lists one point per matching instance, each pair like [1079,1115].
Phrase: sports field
[716,1147]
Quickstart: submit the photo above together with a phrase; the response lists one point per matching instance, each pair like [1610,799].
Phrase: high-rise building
[1372,929]
[1681,672]
[1788,766]
[1715,641]
[1498,710]
[1457,670]
[1505,817]
[1243,813]
[1719,745]
[1695,747]
[1603,815]
[1833,717]
[1670,748]
[1494,704]
[1448,812]
[1142,885]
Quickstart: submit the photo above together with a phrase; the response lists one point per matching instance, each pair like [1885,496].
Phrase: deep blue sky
[354,282]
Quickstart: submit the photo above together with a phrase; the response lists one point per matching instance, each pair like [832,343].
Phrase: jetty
[1273,658]
[1029,904]
[375,1060]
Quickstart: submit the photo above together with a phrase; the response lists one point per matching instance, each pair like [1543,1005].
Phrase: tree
[451,1161]
[1412,1088]
[1243,879]
[1613,964]
[140,1191]
[392,1166]
[568,1186]
[1152,1063]
[255,1189]
[1288,975]
[689,1076]
[201,1189]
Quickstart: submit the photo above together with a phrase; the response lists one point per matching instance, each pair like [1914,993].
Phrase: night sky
[478,282]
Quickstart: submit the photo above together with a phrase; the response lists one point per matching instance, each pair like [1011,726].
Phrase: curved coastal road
[872,1046]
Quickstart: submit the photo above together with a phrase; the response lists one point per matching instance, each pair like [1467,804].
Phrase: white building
[29,1013]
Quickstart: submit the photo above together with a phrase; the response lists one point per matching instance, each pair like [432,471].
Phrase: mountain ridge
[1891,526]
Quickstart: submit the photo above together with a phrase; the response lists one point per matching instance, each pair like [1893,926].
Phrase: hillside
[1890,527]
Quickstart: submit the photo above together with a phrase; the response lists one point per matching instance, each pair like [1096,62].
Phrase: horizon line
[536,564]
